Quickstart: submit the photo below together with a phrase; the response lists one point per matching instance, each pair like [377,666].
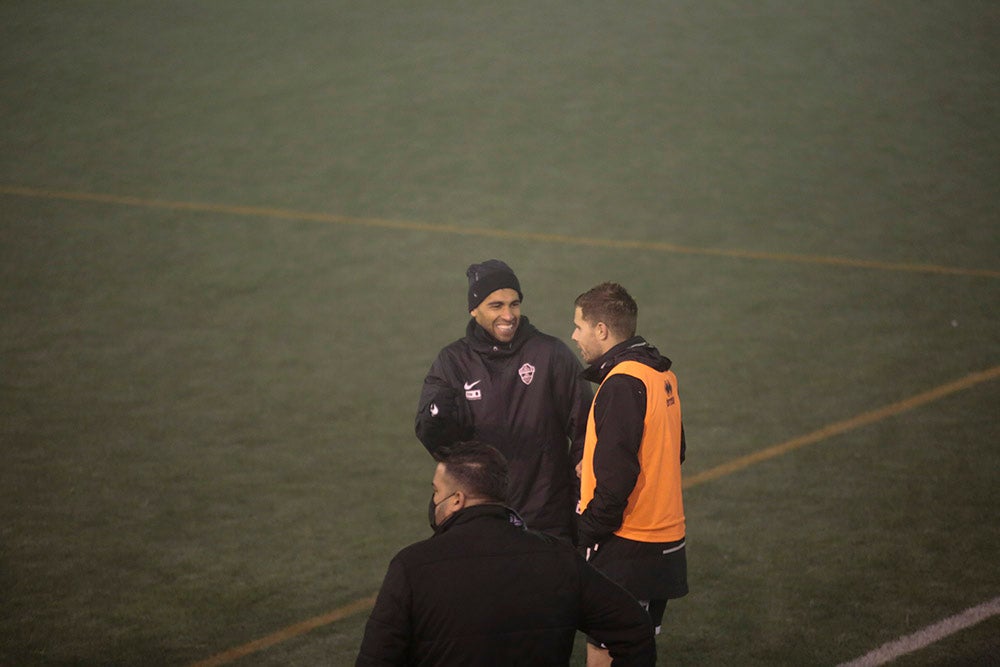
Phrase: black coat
[526,398]
[484,591]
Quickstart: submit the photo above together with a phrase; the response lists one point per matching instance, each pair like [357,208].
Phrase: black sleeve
[619,413]
[443,417]
[613,617]
[388,632]
[683,445]
[575,399]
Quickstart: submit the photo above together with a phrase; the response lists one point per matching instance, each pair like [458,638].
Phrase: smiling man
[510,385]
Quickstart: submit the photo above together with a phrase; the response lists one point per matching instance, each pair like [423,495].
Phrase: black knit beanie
[488,277]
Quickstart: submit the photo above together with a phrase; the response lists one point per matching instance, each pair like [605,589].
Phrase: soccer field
[233,237]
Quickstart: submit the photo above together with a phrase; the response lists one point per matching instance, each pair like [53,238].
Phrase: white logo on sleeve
[434,410]
[527,373]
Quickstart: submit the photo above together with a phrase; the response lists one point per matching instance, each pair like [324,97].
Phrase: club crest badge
[527,373]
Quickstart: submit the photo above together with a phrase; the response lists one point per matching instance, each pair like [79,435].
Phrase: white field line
[927,636]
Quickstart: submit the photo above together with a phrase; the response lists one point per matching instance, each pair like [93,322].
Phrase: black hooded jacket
[527,399]
[484,591]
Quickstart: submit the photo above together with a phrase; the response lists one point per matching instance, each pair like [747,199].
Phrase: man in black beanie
[508,384]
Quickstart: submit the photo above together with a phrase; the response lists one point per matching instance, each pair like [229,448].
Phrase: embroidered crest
[527,373]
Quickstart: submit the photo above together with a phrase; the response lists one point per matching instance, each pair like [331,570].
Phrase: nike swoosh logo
[470,385]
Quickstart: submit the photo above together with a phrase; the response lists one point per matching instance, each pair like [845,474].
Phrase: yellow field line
[562,239]
[287,633]
[714,473]
[842,427]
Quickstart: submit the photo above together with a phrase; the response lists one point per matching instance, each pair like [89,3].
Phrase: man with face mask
[510,385]
[486,591]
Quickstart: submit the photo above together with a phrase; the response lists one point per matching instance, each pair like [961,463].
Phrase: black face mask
[432,508]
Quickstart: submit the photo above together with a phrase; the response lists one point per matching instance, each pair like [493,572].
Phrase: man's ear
[601,330]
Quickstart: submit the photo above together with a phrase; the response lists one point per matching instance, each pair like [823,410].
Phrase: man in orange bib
[631,513]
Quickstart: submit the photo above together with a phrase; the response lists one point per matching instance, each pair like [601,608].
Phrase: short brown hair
[611,304]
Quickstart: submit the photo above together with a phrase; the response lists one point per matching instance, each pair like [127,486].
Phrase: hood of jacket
[485,344]
[633,349]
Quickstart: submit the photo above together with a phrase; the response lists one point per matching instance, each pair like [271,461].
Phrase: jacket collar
[476,512]
[633,349]
[485,344]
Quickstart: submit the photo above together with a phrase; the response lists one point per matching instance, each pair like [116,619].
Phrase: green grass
[207,415]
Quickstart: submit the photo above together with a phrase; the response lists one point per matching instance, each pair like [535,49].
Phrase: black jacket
[484,591]
[527,399]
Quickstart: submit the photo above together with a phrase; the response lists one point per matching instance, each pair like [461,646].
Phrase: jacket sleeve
[443,416]
[388,632]
[613,617]
[619,413]
[575,397]
[683,445]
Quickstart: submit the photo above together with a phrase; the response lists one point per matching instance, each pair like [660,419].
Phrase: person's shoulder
[411,549]
[457,347]
[552,343]
[540,336]
[418,553]
[622,383]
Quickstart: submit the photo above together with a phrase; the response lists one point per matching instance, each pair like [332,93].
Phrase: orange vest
[655,510]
